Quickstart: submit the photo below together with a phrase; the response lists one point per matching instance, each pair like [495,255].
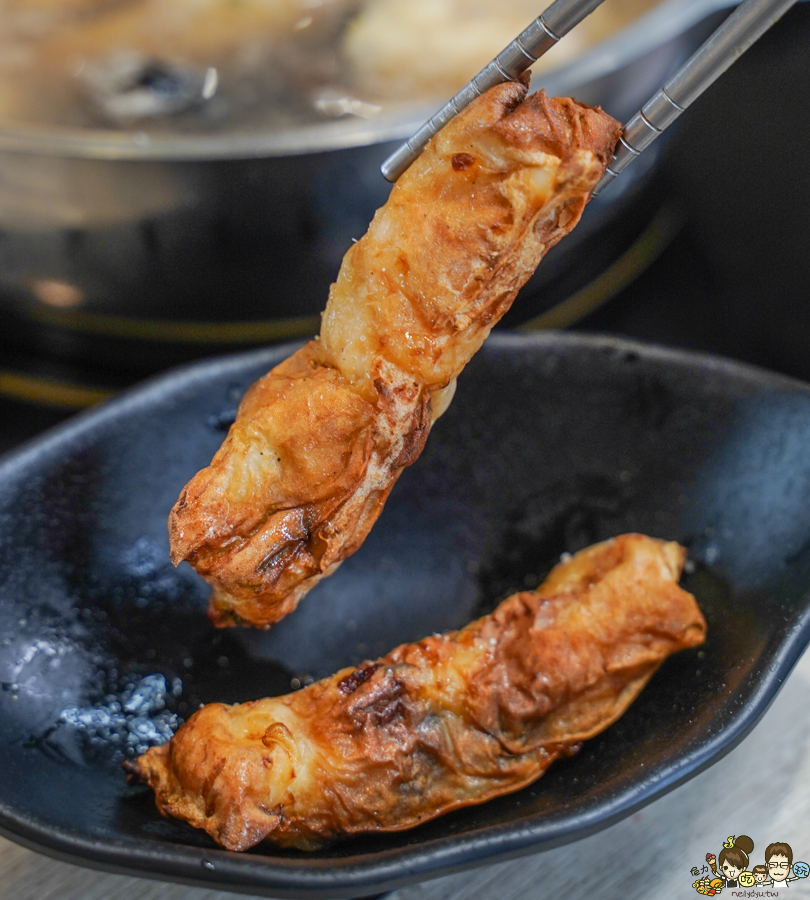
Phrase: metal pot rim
[668,20]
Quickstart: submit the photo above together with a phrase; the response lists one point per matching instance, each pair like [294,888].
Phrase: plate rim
[308,877]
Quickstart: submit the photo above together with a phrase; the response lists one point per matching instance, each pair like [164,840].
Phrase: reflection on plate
[553,442]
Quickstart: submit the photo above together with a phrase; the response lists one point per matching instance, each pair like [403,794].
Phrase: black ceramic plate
[552,442]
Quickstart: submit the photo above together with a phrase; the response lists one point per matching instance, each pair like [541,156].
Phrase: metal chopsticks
[737,33]
[525,49]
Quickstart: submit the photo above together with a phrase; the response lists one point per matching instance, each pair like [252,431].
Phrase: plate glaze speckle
[553,442]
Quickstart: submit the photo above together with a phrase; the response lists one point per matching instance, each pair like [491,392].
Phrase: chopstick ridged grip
[527,48]
[739,31]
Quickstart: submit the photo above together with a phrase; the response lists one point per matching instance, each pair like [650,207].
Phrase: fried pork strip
[452,720]
[319,442]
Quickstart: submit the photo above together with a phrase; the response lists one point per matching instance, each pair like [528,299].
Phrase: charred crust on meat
[325,435]
[440,724]
[381,702]
[350,683]
[133,772]
[414,442]
[462,161]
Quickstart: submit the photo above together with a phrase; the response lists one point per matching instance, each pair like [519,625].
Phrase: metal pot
[138,251]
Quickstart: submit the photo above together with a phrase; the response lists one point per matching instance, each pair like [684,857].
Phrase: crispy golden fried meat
[447,722]
[319,442]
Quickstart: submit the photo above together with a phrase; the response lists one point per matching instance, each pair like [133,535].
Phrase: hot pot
[136,250]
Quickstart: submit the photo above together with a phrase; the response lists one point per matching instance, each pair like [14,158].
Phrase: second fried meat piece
[319,442]
[452,720]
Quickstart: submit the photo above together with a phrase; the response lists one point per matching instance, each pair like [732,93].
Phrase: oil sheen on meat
[452,720]
[319,442]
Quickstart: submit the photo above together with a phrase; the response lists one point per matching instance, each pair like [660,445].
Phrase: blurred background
[150,215]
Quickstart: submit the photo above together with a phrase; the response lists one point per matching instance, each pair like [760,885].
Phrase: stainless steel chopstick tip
[540,36]
[736,34]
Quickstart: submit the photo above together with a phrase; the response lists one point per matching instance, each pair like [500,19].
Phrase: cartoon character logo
[801,869]
[730,869]
[708,886]
[779,863]
[759,875]
[733,860]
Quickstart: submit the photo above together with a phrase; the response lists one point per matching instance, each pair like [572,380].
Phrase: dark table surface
[737,279]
